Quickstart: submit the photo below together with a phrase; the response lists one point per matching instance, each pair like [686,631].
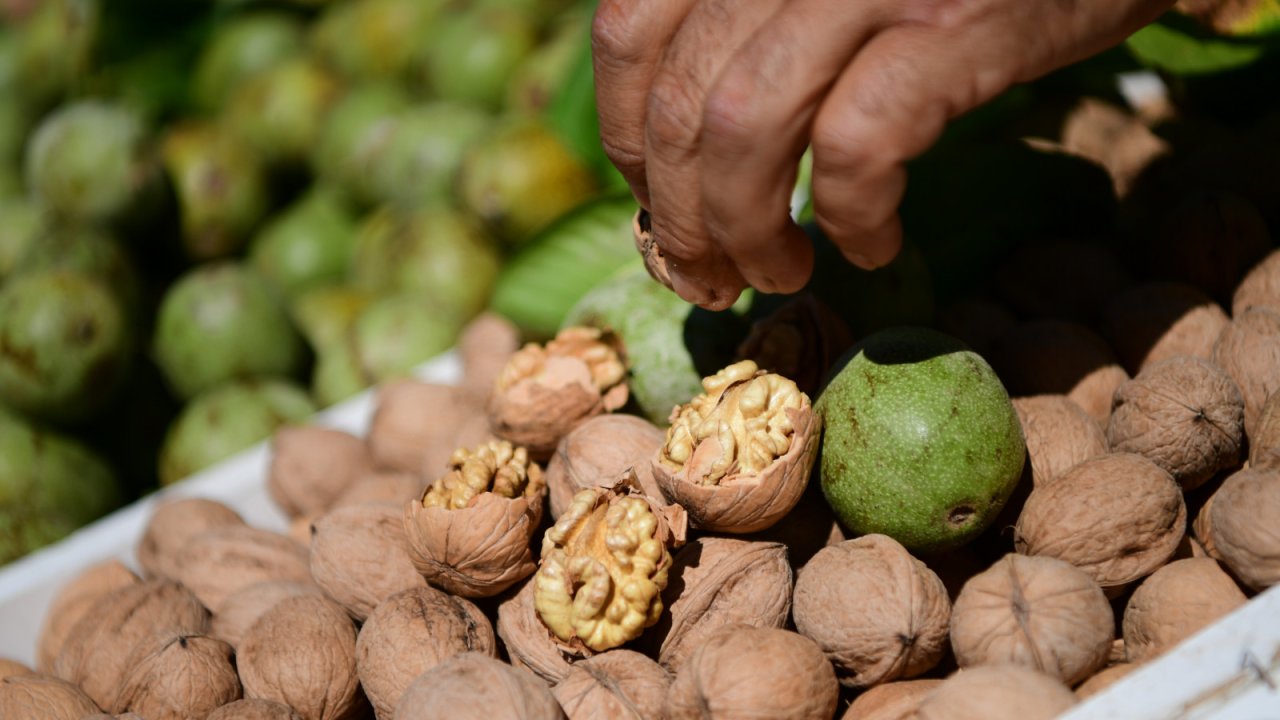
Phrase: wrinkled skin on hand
[707,105]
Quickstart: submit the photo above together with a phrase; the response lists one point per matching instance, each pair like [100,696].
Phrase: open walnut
[1059,435]
[36,695]
[360,556]
[76,598]
[596,452]
[738,457]
[470,531]
[617,684]
[544,391]
[172,525]
[604,565]
[179,676]
[529,644]
[997,692]
[311,466]
[475,686]
[1242,525]
[1175,602]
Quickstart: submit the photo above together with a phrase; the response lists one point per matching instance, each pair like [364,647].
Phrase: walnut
[474,686]
[301,653]
[1160,320]
[1264,445]
[1210,240]
[411,632]
[173,523]
[1062,280]
[73,600]
[312,466]
[744,671]
[470,532]
[1116,139]
[1048,357]
[1059,435]
[1249,351]
[976,322]
[1260,287]
[12,667]
[528,642]
[472,429]
[253,709]
[596,452]
[654,261]
[718,581]
[1039,612]
[1184,414]
[896,700]
[36,695]
[360,556]
[1118,517]
[604,565]
[801,340]
[484,346]
[1176,601]
[877,612]
[243,607]
[179,676]
[810,526]
[1104,679]
[738,457]
[382,486]
[616,684]
[96,652]
[413,418]
[997,692]
[220,561]
[1241,523]
[1200,529]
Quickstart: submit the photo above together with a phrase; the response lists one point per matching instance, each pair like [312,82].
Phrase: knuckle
[673,115]
[628,157]
[616,35]
[837,149]
[731,118]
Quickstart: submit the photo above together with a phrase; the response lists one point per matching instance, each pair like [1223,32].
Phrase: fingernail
[861,261]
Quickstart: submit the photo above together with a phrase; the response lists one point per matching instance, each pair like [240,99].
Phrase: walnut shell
[302,653]
[744,671]
[1104,679]
[243,607]
[718,581]
[1249,351]
[1176,601]
[411,632]
[1057,357]
[42,697]
[1201,530]
[1243,528]
[173,523]
[1118,517]
[896,700]
[360,556]
[220,561]
[484,346]
[1059,435]
[1114,138]
[1160,320]
[615,684]
[179,677]
[802,340]
[1264,444]
[474,686]
[311,466]
[1260,287]
[1184,414]
[1061,280]
[96,653]
[382,486]
[472,429]
[13,667]
[254,709]
[596,452]
[412,418]
[529,644]
[997,692]
[71,603]
[738,457]
[1039,612]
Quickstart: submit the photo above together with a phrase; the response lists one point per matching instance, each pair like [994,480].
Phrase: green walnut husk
[542,74]
[474,53]
[279,112]
[398,332]
[49,486]
[55,49]
[418,163]
[226,419]
[307,245]
[245,44]
[325,315]
[374,39]
[355,131]
[220,322]
[19,227]
[89,251]
[338,374]
[64,344]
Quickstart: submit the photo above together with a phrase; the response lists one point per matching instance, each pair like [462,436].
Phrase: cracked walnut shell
[529,644]
[738,457]
[596,452]
[179,676]
[470,532]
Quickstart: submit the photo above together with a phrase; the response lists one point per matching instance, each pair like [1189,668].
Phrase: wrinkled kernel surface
[603,569]
[743,412]
[496,467]
[590,345]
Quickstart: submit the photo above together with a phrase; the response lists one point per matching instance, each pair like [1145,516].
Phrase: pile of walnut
[520,546]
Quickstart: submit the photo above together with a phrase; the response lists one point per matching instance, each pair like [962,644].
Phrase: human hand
[707,105]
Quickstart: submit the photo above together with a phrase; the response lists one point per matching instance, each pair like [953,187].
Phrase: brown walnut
[179,677]
[413,418]
[1264,445]
[484,346]
[1176,601]
[475,686]
[801,340]
[1160,320]
[1260,287]
[1249,351]
[242,608]
[897,700]
[1057,357]
[529,644]
[222,560]
[311,466]
[977,322]
[382,486]
[1242,525]
[360,556]
[617,684]
[1210,239]
[13,667]
[1061,280]
[73,600]
[1059,435]
[1104,679]
[36,695]
[997,692]
[172,525]
[253,709]
[596,452]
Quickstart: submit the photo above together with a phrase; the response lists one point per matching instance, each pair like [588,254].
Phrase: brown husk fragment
[474,686]
[172,525]
[1249,351]
[878,613]
[179,677]
[744,671]
[220,561]
[1242,525]
[1160,320]
[801,340]
[997,692]
[617,684]
[896,700]
[1117,517]
[1039,612]
[484,346]
[1059,435]
[1057,357]
[302,653]
[529,644]
[360,556]
[41,696]
[410,633]
[311,466]
[242,608]
[596,452]
[254,709]
[413,418]
[1175,602]
[73,600]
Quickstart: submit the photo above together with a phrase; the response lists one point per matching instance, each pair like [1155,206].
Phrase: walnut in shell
[997,692]
[738,457]
[1242,524]
[36,695]
[1210,240]
[179,676]
[801,340]
[1264,444]
[1176,601]
[896,700]
[71,603]
[977,322]
[529,644]
[242,608]
[617,684]
[1116,139]
[172,525]
[470,532]
[484,346]
[360,556]
[220,561]
[311,466]
[877,612]
[1249,351]
[1104,679]
[253,709]
[1160,320]
[596,452]
[12,667]
[1059,435]
[1260,287]
[744,671]
[302,653]
[1117,517]
[1039,612]
[474,686]
[412,418]
[410,633]
[382,486]
[1184,414]
[1057,357]
[544,391]
[1063,280]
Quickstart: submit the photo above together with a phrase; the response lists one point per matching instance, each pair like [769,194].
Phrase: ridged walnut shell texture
[474,686]
[254,710]
[1059,435]
[43,697]
[9,668]
[1260,287]
[172,525]
[620,684]
[748,672]
[484,346]
[896,700]
[220,561]
[311,466]
[997,692]
[1249,351]
[76,598]
[1176,601]
[1160,320]
[410,633]
[302,653]
[382,486]
[1264,444]
[1184,414]
[596,452]
[529,644]
[1242,525]
[243,608]
[877,612]
[179,677]
[1039,612]
[1117,517]
[1104,679]
[413,418]
[360,556]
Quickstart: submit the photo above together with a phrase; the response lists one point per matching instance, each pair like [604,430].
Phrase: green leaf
[1178,46]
